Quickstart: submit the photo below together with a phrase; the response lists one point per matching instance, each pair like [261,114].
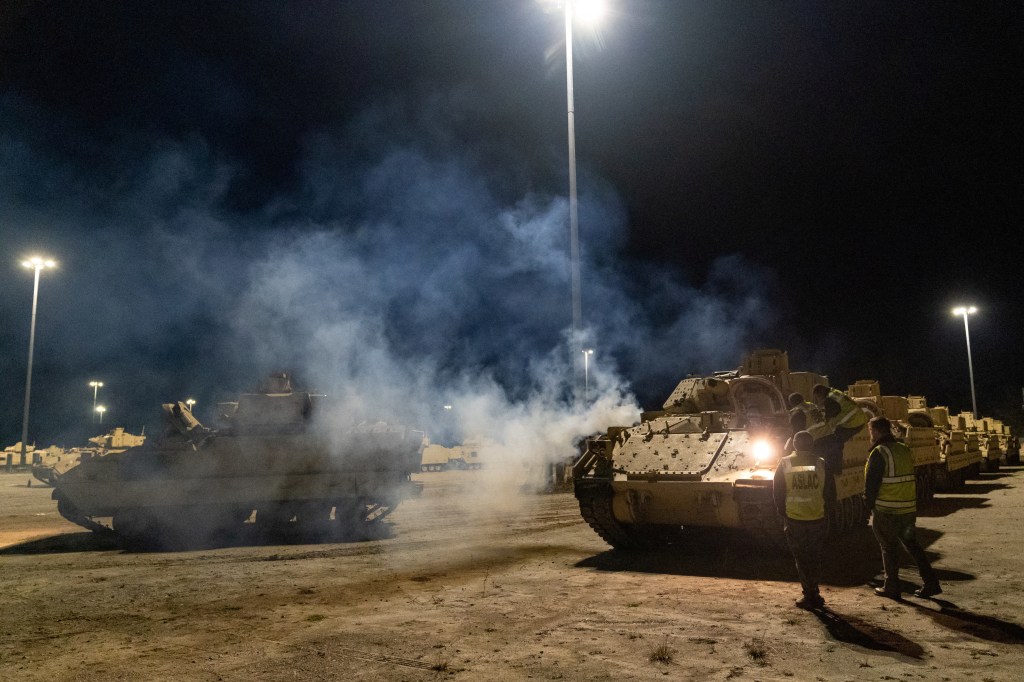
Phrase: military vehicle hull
[706,461]
[733,491]
[959,453]
[195,482]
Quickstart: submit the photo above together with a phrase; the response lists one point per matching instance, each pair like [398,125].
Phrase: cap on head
[796,399]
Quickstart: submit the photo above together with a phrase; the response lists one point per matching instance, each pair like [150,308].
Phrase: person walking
[801,486]
[890,490]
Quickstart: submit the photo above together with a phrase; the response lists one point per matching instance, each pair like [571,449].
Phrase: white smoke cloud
[402,272]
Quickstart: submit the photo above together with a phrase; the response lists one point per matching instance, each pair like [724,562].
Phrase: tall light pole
[190,402]
[965,311]
[586,373]
[100,410]
[36,263]
[95,385]
[592,11]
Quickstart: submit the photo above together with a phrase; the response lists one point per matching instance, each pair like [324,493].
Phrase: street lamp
[190,402]
[586,372]
[100,409]
[96,385]
[590,10]
[965,311]
[36,263]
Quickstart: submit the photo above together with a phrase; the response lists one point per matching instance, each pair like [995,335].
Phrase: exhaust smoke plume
[403,272]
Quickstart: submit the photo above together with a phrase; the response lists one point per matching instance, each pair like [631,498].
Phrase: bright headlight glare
[763,450]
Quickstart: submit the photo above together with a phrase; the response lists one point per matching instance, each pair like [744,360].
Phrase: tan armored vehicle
[272,458]
[435,457]
[45,460]
[47,465]
[1011,454]
[465,456]
[959,455]
[117,439]
[988,440]
[50,463]
[706,459]
[911,426]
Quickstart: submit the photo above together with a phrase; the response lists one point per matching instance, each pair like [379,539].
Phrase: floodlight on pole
[190,402]
[587,352]
[96,386]
[965,311]
[590,11]
[100,410]
[37,263]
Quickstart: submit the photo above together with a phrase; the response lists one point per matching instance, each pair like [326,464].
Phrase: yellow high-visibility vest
[898,494]
[819,430]
[850,415]
[805,486]
[810,410]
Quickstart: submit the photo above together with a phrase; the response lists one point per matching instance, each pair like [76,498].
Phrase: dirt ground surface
[468,584]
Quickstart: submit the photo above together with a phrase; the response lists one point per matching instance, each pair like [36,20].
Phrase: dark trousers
[893,530]
[805,539]
[830,447]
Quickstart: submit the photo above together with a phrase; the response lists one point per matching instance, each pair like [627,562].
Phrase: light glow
[763,450]
[965,310]
[591,11]
[38,263]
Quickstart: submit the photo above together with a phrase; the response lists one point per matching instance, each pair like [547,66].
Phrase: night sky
[373,196]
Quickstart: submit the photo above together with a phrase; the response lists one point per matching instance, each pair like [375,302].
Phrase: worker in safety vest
[799,420]
[801,486]
[843,417]
[811,411]
[890,490]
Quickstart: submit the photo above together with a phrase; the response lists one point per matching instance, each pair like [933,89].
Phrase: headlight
[764,450]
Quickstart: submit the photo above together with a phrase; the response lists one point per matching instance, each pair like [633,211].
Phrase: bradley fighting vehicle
[48,466]
[437,457]
[988,441]
[959,453]
[707,459]
[1012,451]
[993,441]
[270,458]
[913,427]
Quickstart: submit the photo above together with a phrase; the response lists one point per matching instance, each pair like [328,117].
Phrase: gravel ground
[474,581]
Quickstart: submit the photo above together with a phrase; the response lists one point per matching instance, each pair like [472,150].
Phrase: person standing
[890,490]
[801,486]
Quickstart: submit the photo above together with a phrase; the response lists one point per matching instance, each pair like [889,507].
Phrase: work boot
[810,602]
[928,591]
[891,594]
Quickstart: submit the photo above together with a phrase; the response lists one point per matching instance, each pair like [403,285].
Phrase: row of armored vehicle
[48,464]
[707,458]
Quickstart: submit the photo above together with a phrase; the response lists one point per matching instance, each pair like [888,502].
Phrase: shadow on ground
[849,560]
[951,616]
[981,488]
[247,536]
[950,504]
[858,632]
